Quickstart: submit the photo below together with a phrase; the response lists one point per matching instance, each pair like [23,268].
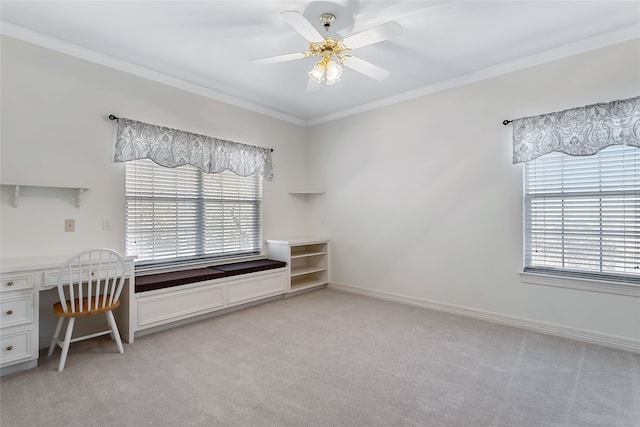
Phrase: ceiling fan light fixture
[334,72]
[317,73]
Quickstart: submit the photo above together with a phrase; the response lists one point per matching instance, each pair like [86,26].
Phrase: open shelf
[308,254]
[306,284]
[307,261]
[301,271]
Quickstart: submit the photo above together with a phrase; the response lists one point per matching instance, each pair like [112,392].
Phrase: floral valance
[172,147]
[579,131]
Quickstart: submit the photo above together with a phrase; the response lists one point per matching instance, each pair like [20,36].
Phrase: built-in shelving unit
[16,191]
[306,258]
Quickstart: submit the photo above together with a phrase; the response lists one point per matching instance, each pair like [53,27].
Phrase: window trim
[580,283]
[619,285]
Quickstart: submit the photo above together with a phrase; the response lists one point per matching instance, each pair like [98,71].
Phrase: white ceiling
[206,46]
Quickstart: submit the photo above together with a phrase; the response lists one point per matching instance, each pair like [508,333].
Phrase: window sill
[601,286]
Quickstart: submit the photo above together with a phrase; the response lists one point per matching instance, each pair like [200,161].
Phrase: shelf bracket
[16,196]
[80,194]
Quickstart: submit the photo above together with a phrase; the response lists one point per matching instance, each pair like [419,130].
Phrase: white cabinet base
[181,304]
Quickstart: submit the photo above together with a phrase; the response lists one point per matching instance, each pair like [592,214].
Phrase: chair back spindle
[91,280]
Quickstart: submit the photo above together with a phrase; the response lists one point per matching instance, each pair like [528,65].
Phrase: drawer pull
[9,313]
[10,348]
[10,283]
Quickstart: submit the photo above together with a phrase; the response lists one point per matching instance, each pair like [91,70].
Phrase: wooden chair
[89,283]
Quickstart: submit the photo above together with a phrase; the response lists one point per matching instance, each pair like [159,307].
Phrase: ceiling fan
[333,52]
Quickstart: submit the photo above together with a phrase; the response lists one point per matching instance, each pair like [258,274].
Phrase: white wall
[422,199]
[55,131]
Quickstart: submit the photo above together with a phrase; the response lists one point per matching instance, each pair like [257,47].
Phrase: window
[183,214]
[582,215]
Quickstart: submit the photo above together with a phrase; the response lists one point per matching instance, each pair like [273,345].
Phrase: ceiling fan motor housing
[328,47]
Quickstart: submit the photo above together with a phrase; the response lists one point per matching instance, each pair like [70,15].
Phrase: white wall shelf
[16,191]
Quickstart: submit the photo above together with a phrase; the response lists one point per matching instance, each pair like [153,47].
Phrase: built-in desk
[21,282]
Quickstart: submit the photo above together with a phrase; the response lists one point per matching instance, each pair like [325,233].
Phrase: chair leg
[67,342]
[52,347]
[114,330]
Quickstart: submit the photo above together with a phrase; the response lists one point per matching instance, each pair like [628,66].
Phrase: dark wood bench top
[175,278]
[249,266]
[152,282]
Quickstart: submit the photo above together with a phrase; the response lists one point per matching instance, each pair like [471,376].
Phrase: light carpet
[330,358]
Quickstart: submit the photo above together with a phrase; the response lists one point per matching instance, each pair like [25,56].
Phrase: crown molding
[592,43]
[58,45]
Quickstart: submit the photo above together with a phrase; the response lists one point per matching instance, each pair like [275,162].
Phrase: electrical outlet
[106,225]
[70,225]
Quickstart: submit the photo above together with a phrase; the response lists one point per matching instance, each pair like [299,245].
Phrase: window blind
[582,214]
[181,214]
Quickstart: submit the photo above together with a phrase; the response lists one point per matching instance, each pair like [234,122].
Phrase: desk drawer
[16,310]
[14,282]
[15,346]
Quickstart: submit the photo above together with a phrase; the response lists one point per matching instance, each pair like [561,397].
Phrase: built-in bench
[172,298]
[176,278]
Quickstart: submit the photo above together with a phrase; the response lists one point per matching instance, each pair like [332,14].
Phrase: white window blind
[582,214]
[181,214]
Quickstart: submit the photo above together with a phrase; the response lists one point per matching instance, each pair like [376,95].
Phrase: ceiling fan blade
[366,68]
[279,58]
[373,35]
[302,26]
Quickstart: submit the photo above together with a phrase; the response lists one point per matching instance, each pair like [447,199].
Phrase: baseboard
[613,341]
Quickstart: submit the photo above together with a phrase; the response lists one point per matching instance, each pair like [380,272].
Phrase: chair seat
[87,310]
